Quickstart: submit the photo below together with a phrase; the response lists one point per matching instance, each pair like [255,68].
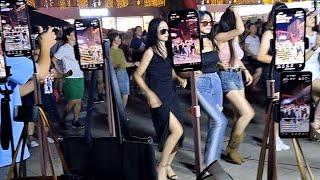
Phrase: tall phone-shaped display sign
[15,28]
[289,33]
[89,44]
[184,31]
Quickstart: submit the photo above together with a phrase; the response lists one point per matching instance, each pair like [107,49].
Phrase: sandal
[173,176]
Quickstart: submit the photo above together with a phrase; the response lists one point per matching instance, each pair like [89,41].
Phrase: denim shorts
[123,81]
[231,80]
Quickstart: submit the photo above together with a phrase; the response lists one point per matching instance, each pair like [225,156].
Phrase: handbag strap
[14,158]
[57,145]
[43,123]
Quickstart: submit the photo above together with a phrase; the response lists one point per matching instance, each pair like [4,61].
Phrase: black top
[209,62]
[159,75]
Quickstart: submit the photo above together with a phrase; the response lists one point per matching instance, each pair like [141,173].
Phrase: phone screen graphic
[15,27]
[89,43]
[295,104]
[185,37]
[3,73]
[290,39]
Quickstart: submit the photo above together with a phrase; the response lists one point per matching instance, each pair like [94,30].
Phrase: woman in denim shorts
[209,91]
[231,69]
[120,64]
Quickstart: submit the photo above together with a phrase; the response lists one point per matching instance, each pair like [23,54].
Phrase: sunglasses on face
[164,31]
[206,23]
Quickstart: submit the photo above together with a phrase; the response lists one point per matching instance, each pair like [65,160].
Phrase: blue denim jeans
[210,96]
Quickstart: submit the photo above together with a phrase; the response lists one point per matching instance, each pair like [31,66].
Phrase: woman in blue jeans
[209,91]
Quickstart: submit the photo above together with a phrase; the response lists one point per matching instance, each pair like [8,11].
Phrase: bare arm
[182,81]
[309,53]
[226,36]
[56,66]
[147,56]
[263,55]
[26,88]
[153,99]
[47,40]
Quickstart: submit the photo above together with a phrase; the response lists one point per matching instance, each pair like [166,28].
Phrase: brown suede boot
[232,150]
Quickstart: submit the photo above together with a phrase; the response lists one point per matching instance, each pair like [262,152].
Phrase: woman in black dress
[161,94]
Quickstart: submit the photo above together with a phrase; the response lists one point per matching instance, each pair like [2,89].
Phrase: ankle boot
[233,148]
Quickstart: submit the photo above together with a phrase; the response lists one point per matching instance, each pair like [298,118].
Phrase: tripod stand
[272,160]
[269,132]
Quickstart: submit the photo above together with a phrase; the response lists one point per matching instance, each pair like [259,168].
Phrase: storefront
[112,18]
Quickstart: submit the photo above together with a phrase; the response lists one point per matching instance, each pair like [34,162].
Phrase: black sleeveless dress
[159,80]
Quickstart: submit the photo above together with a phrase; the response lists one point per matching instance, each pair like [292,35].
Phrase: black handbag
[124,157]
[214,172]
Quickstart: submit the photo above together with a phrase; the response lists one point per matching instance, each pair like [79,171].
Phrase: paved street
[140,121]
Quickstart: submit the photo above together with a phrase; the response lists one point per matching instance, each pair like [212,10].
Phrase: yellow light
[109,3]
[32,3]
[82,3]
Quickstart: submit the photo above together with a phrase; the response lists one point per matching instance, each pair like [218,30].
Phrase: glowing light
[94,12]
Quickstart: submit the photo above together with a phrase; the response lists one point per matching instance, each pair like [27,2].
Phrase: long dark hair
[211,35]
[276,6]
[228,23]
[152,38]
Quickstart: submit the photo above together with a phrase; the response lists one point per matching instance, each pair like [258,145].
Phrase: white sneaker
[278,146]
[283,145]
[50,140]
[33,144]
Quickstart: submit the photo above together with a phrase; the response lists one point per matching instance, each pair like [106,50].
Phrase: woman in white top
[73,86]
[312,65]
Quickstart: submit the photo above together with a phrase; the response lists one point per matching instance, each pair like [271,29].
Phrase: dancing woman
[162,96]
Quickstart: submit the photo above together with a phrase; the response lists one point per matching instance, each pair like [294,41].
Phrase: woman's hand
[183,82]
[248,77]
[153,100]
[222,66]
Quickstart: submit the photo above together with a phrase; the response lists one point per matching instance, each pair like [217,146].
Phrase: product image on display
[3,73]
[89,43]
[290,39]
[185,39]
[15,27]
[295,104]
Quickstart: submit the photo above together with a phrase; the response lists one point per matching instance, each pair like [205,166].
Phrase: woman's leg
[216,130]
[67,109]
[125,100]
[176,132]
[77,109]
[243,108]
[245,113]
[170,171]
[316,95]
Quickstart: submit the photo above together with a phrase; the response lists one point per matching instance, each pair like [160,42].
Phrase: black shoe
[63,127]
[77,124]
[100,97]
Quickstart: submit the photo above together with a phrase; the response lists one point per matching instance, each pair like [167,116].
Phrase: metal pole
[196,124]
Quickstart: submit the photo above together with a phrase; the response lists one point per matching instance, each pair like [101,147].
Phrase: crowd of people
[236,58]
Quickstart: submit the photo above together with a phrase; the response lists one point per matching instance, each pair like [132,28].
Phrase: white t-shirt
[312,64]
[66,54]
[253,44]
